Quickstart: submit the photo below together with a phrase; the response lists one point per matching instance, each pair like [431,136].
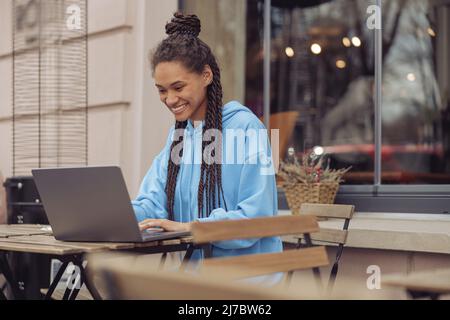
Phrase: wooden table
[432,283]
[10,230]
[38,239]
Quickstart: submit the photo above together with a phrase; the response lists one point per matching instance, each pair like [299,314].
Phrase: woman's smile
[180,109]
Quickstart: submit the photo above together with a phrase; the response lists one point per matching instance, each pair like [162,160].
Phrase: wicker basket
[299,193]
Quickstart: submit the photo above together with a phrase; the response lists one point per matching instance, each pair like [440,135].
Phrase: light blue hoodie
[249,186]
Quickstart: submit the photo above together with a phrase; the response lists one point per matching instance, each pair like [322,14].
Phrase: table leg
[207,250]
[84,279]
[2,295]
[89,285]
[187,257]
[288,278]
[7,272]
[55,281]
[74,293]
[69,292]
[162,261]
[2,289]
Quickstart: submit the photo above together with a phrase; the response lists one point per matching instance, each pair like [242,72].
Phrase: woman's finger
[152,223]
[145,225]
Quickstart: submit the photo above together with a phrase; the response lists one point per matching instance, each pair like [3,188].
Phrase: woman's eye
[179,88]
[161,91]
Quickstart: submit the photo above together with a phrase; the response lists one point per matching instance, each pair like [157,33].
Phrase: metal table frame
[77,260]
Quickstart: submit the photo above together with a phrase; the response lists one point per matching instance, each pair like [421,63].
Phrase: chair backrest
[285,122]
[261,264]
[204,232]
[342,214]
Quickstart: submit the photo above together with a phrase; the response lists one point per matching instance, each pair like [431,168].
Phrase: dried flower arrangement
[307,181]
[309,170]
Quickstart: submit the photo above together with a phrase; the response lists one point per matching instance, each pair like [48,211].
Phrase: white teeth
[180,108]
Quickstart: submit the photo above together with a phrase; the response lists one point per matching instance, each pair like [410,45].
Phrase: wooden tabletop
[433,281]
[10,230]
[38,239]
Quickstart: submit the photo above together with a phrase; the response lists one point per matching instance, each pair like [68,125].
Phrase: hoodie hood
[231,109]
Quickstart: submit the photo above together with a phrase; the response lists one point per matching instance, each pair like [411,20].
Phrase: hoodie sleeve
[257,193]
[151,201]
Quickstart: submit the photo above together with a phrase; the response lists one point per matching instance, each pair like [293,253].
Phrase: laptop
[92,204]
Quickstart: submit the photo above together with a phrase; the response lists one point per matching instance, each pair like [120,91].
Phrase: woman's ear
[207,75]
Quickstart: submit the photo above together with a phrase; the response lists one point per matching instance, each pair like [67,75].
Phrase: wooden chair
[284,121]
[131,278]
[262,264]
[328,235]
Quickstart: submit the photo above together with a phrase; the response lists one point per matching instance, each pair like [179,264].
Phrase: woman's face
[183,91]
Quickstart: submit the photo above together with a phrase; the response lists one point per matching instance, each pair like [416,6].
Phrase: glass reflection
[415,93]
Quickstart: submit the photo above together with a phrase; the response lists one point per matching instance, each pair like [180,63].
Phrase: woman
[191,180]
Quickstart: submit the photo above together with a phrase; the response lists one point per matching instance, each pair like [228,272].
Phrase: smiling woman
[174,193]
[183,70]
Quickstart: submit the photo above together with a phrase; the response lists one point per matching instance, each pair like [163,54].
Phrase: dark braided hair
[183,45]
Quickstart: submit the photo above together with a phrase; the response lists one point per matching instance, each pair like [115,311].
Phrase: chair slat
[263,264]
[329,235]
[343,211]
[134,283]
[204,232]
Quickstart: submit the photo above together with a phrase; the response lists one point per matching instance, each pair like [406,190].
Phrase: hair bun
[184,24]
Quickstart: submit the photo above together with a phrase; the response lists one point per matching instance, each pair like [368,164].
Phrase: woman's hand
[167,225]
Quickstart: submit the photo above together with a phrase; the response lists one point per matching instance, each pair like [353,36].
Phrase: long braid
[183,45]
[220,194]
[204,183]
[213,120]
[172,172]
[215,96]
[201,188]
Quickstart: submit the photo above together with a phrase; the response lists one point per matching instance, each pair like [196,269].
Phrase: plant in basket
[309,180]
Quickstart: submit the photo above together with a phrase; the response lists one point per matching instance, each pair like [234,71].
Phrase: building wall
[5,88]
[127,123]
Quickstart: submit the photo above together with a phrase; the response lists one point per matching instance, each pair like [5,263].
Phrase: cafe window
[415,105]
[328,86]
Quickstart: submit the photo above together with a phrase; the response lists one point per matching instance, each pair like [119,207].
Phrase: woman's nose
[171,100]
